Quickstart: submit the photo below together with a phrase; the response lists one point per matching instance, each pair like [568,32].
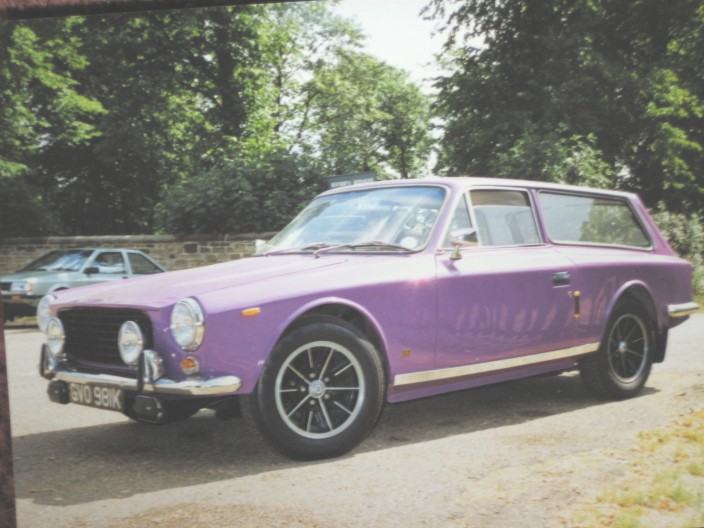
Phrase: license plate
[97,396]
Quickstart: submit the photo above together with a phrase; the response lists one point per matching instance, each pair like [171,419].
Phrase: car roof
[98,249]
[463,182]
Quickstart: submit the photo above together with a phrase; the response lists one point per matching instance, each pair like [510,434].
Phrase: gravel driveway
[516,454]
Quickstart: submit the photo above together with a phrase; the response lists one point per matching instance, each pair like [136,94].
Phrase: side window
[591,220]
[142,265]
[110,262]
[504,218]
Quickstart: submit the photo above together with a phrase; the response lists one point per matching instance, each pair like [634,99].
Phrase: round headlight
[130,342]
[55,337]
[187,324]
[44,312]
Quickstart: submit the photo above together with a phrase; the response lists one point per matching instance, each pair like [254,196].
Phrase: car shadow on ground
[118,460]
[21,326]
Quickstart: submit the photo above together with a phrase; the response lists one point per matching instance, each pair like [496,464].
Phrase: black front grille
[5,286]
[91,333]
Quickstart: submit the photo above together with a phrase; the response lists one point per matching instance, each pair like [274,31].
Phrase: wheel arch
[58,287]
[639,293]
[350,314]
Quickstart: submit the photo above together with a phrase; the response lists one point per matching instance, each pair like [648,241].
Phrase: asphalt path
[519,453]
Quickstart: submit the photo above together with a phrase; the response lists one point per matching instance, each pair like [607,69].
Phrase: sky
[397,34]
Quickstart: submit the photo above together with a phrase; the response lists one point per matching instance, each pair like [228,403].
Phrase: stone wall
[174,252]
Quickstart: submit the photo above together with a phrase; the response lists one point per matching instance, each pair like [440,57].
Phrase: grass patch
[663,486]
[699,299]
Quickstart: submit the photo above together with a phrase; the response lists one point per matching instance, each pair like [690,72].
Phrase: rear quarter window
[591,220]
[142,265]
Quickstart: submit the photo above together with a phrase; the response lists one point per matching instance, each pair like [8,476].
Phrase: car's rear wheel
[622,365]
[321,391]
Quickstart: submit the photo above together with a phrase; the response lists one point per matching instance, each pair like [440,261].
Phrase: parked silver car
[69,268]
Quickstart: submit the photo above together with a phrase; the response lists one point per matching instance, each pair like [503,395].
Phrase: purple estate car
[381,292]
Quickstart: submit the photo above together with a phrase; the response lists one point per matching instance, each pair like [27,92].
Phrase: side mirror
[463,238]
[91,270]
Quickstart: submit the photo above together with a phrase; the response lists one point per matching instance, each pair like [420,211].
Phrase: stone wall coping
[129,240]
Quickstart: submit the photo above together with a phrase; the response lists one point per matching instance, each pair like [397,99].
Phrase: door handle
[561,278]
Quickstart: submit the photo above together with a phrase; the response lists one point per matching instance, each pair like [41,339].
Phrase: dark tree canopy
[606,92]
[123,123]
[107,120]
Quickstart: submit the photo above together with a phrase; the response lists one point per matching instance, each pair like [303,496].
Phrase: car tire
[321,391]
[621,366]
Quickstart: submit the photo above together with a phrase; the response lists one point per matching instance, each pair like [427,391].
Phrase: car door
[106,265]
[503,294]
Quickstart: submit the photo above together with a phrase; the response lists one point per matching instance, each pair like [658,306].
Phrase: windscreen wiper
[358,245]
[323,247]
[310,247]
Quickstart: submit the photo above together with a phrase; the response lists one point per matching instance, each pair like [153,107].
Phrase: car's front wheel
[321,390]
[622,365]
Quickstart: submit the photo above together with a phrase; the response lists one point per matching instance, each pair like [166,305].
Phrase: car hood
[46,278]
[21,276]
[165,289]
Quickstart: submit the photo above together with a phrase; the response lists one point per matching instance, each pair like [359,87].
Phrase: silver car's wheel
[321,390]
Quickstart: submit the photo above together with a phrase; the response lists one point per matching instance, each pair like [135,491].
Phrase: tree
[324,108]
[40,100]
[43,107]
[368,116]
[107,114]
[177,86]
[248,194]
[297,42]
[617,81]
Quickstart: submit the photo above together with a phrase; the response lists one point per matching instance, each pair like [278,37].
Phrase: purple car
[375,293]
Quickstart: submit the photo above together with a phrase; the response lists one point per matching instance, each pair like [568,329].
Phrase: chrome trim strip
[682,310]
[152,381]
[199,387]
[190,387]
[490,366]
[103,379]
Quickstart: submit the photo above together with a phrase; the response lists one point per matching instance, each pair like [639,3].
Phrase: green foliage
[42,104]
[685,234]
[247,194]
[550,157]
[108,118]
[367,116]
[22,212]
[590,91]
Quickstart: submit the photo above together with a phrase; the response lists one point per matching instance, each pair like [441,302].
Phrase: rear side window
[142,265]
[591,220]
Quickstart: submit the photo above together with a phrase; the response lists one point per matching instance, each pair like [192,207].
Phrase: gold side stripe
[491,366]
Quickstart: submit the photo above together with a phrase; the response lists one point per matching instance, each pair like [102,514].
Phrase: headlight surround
[188,324]
[44,312]
[130,342]
[55,337]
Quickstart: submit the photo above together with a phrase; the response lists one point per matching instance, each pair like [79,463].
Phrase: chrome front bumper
[150,378]
[682,310]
